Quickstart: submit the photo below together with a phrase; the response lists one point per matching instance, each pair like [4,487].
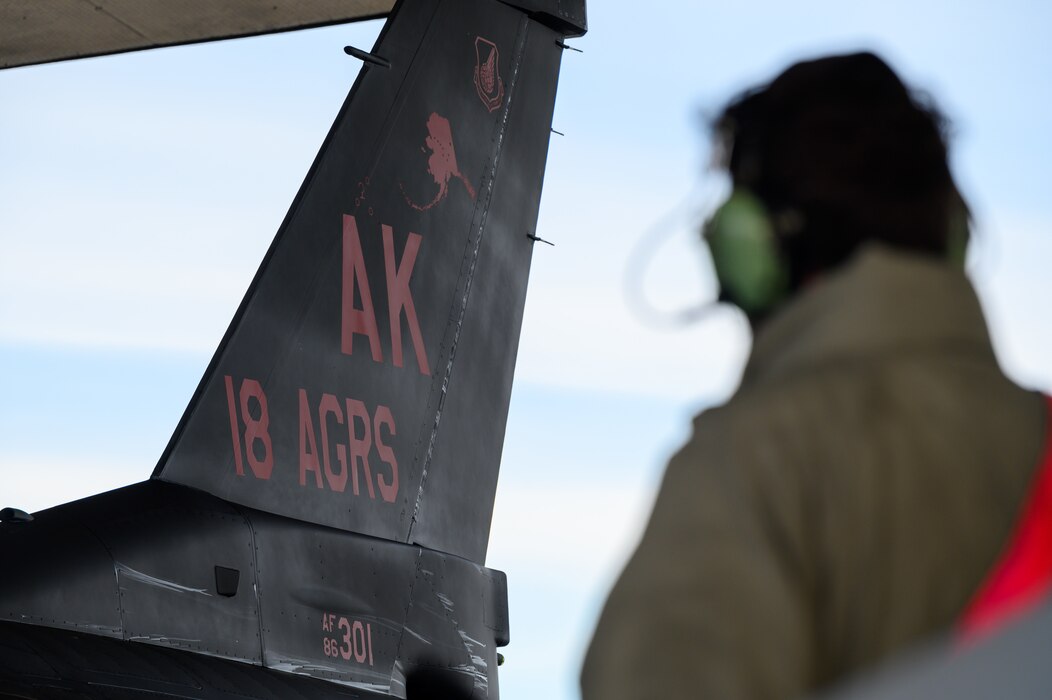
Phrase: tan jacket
[845,502]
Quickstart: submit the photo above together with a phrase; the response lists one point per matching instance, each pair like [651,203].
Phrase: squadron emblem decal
[488,82]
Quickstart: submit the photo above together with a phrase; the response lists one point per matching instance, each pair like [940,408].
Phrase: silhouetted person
[851,496]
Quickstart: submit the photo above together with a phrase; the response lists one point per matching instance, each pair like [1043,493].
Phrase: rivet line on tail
[520,50]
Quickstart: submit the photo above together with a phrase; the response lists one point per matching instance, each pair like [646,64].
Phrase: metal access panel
[171,552]
[333,603]
[57,573]
[366,612]
[458,618]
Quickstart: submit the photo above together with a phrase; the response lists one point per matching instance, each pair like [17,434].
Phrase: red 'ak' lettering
[308,445]
[356,321]
[388,489]
[337,481]
[399,297]
[359,445]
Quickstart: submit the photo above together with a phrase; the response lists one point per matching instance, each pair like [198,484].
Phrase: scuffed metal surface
[478,665]
[417,636]
[330,673]
[163,639]
[447,593]
[139,576]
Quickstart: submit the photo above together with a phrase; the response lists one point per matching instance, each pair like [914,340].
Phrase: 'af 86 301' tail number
[347,639]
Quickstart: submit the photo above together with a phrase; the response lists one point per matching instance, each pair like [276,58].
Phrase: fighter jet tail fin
[364,382]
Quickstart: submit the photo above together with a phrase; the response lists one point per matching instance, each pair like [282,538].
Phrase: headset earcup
[958,236]
[745,254]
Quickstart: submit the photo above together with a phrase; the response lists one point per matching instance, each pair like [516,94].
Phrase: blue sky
[139,193]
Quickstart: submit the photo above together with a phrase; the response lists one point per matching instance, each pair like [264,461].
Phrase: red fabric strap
[1023,572]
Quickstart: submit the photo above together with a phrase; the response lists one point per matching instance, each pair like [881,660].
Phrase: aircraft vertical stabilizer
[364,382]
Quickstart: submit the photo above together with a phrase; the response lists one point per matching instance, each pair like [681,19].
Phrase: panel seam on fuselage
[520,51]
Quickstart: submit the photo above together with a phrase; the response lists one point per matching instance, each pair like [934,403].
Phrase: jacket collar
[883,301]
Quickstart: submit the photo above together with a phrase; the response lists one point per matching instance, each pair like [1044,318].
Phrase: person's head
[832,154]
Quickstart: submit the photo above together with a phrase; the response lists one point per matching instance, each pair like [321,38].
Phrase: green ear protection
[749,265]
[745,253]
[960,234]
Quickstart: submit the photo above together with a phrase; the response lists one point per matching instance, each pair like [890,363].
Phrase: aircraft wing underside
[41,31]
